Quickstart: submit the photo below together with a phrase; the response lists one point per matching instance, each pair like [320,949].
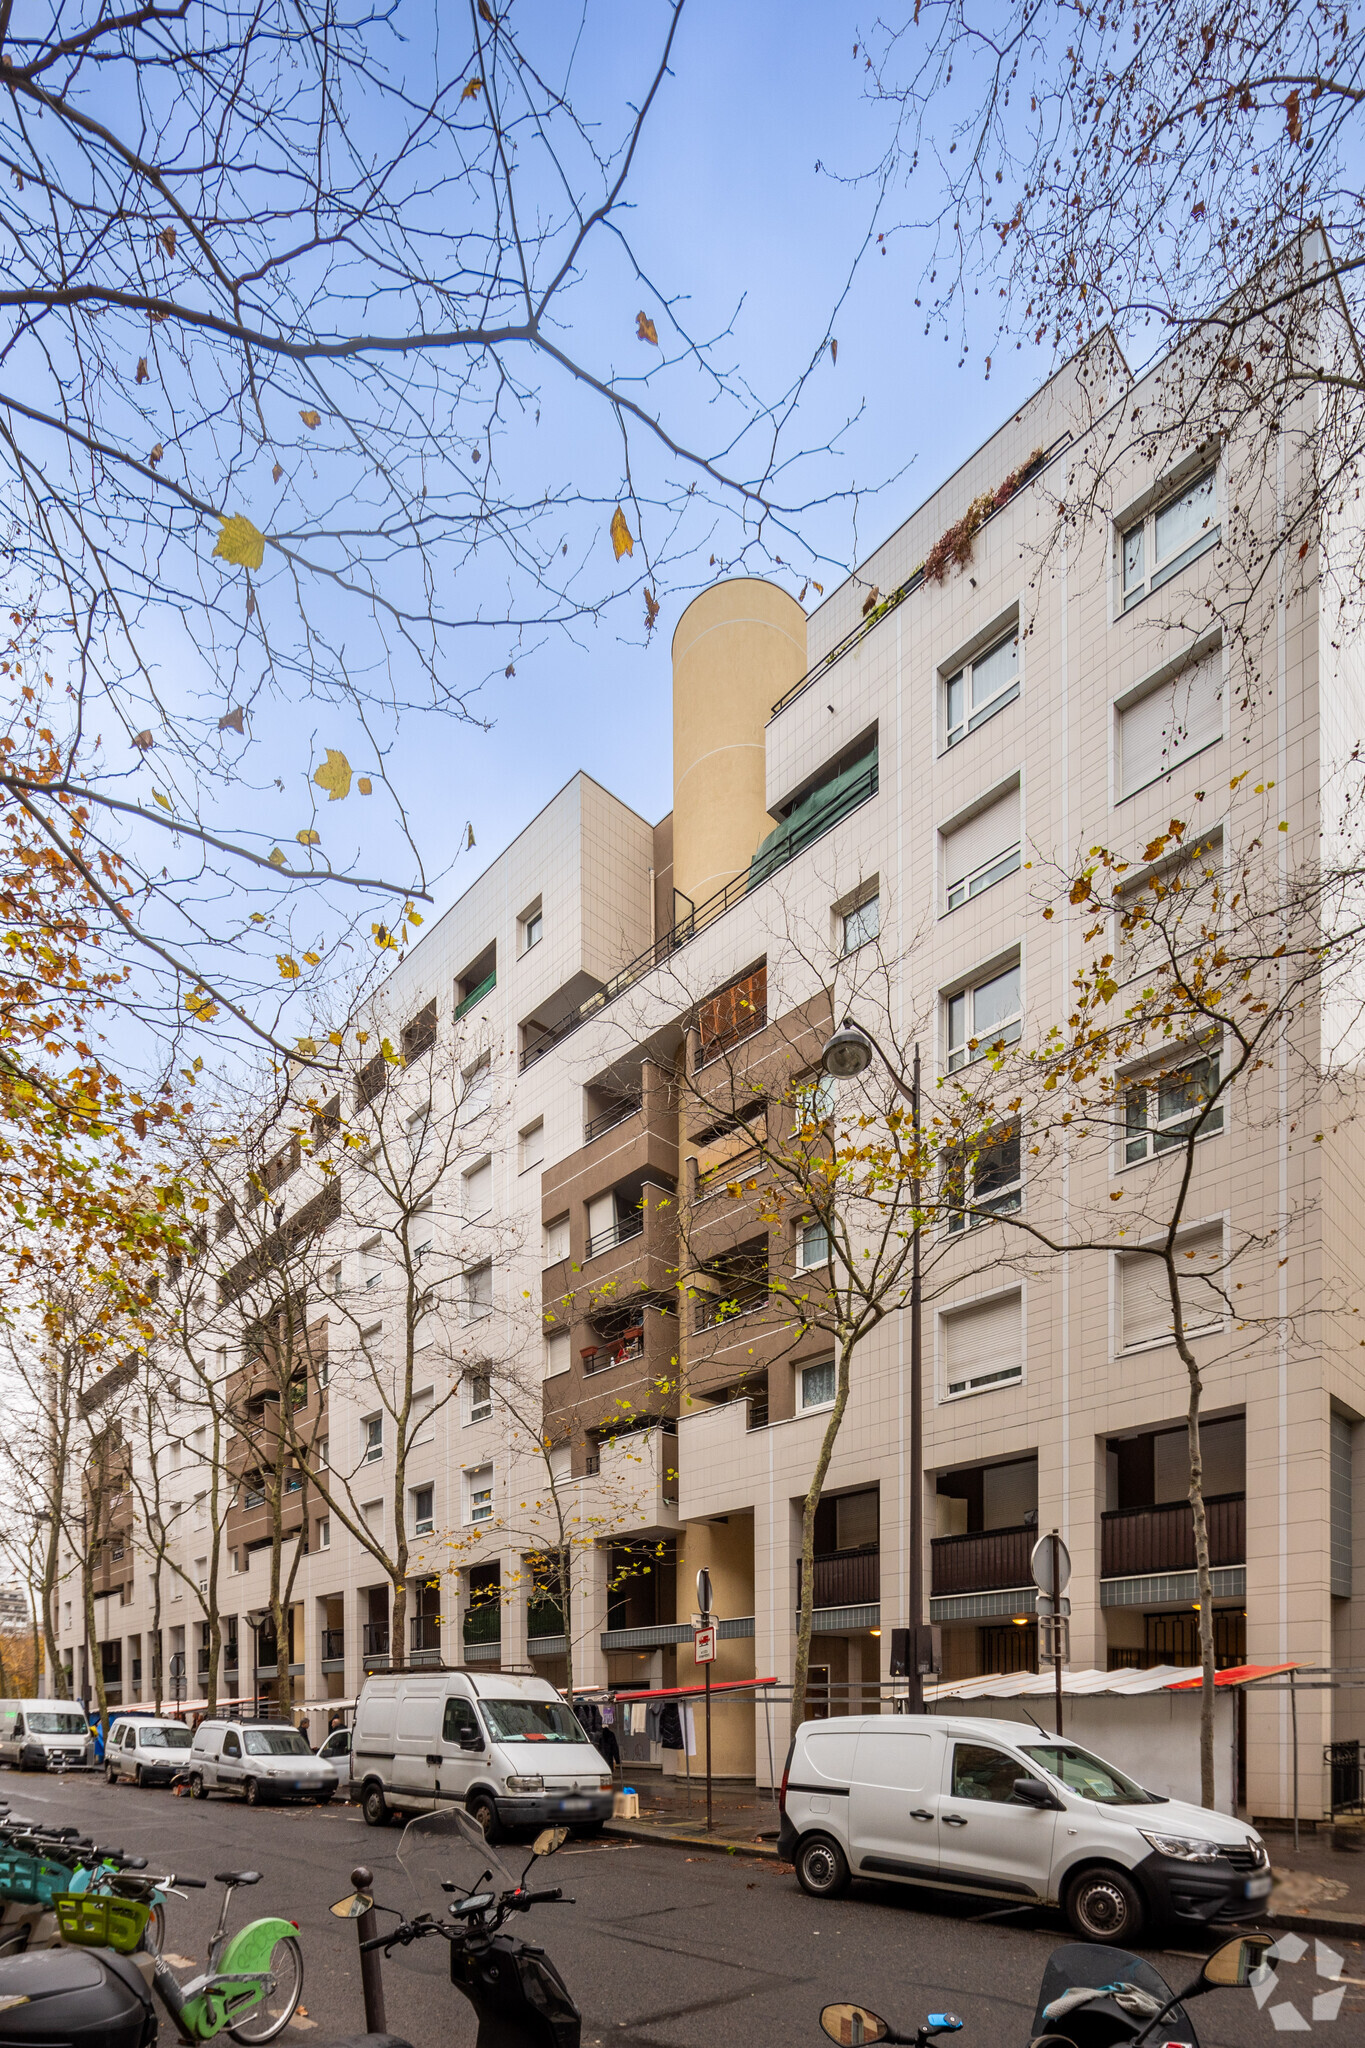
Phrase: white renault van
[44,1735]
[998,1808]
[259,1760]
[146,1749]
[508,1748]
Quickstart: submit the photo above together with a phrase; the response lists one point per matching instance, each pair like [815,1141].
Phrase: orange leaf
[474,87]
[311,419]
[167,240]
[645,330]
[364,785]
[834,351]
[276,473]
[142,371]
[144,740]
[622,539]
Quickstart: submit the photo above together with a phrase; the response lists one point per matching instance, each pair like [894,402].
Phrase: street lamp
[847,1054]
[255,1616]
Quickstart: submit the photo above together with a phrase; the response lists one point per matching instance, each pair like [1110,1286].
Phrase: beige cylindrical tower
[738,647]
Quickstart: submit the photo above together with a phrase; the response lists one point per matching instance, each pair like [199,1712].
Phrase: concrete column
[1289,1605]
[516,1594]
[590,1616]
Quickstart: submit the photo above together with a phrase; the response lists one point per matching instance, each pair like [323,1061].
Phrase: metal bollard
[371,1968]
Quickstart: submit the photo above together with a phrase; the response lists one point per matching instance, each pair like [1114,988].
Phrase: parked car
[998,1808]
[147,1750]
[337,1750]
[42,1735]
[259,1760]
[509,1749]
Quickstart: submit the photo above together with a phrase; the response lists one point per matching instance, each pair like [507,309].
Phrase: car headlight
[605,1784]
[526,1784]
[1182,1847]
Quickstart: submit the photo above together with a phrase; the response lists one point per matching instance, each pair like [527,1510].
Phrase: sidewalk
[745,1820]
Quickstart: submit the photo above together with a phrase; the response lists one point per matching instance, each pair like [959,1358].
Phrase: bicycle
[253,1982]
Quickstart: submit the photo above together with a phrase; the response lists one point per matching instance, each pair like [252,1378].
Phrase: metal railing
[1134,1541]
[620,1232]
[714,1310]
[620,1113]
[724,1041]
[426,1631]
[333,1645]
[785,849]
[984,1561]
[374,1637]
[845,1578]
[476,995]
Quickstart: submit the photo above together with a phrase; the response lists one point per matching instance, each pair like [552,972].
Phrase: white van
[259,1760]
[44,1735]
[145,1749]
[998,1808]
[507,1748]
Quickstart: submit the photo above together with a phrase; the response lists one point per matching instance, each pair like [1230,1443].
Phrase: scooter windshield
[444,1857]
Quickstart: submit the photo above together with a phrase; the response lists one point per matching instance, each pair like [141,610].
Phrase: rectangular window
[1161,543]
[423,1510]
[532,926]
[419,1034]
[372,1515]
[373,1427]
[987,1179]
[320,1450]
[532,1145]
[1160,1113]
[818,1384]
[1145,1312]
[814,1103]
[812,1246]
[862,925]
[478,1293]
[1170,723]
[479,1494]
[479,979]
[419,1417]
[478,1191]
[983,1345]
[371,1266]
[1168,919]
[982,850]
[558,1352]
[981,687]
[325,1533]
[556,1246]
[984,1016]
[478,1089]
[480,1396]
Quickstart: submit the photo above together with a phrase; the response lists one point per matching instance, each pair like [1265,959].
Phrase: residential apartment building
[884,784]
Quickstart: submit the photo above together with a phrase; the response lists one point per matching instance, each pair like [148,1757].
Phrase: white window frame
[862,923]
[478,1410]
[830,1365]
[807,1230]
[1173,1126]
[1144,528]
[422,1525]
[1197,1227]
[985,1383]
[476,1311]
[324,1532]
[973,1045]
[373,1428]
[1006,1200]
[527,1138]
[985,876]
[972,717]
[532,927]
[478,1497]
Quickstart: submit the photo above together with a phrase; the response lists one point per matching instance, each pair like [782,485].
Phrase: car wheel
[252,1792]
[197,1788]
[138,1778]
[1103,1905]
[821,1867]
[375,1807]
[324,1798]
[110,1775]
[482,1810]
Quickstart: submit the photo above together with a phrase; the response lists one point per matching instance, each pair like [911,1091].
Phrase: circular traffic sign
[1040,1566]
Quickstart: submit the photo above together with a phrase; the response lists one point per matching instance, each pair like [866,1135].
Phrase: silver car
[261,1761]
[146,1750]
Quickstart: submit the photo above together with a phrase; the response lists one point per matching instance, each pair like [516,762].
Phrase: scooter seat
[237,1877]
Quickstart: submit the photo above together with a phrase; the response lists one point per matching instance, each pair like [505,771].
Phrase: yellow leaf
[313,959]
[309,838]
[471,91]
[307,1046]
[241,543]
[622,539]
[334,775]
[277,858]
[201,1005]
[364,785]
[334,1038]
[288,966]
[164,801]
[645,330]
[311,419]
[258,917]
[414,916]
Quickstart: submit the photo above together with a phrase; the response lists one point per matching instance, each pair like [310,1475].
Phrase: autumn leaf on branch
[288,966]
[308,837]
[334,775]
[240,543]
[201,1006]
[645,330]
[473,89]
[311,419]
[364,785]
[622,539]
[167,240]
[232,721]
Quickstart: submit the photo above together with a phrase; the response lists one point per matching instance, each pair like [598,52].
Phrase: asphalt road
[663,1948]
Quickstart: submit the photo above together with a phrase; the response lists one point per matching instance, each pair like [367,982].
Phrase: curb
[1351,1928]
[719,1845]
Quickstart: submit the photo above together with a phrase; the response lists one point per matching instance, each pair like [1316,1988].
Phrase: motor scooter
[1095,1997]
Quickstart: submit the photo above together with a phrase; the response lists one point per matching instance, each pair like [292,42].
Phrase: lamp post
[847,1054]
[254,1618]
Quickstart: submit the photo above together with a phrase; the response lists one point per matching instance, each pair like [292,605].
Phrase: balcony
[984,1561]
[374,1643]
[620,1232]
[333,1649]
[619,1113]
[715,1309]
[1141,1541]
[476,995]
[846,1578]
[425,1633]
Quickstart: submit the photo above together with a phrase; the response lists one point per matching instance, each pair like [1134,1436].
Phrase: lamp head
[848,1053]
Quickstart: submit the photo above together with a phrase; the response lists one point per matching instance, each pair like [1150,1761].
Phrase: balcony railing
[982,1562]
[619,1113]
[333,1645]
[476,995]
[374,1636]
[620,1232]
[725,1041]
[1134,1541]
[846,1578]
[426,1631]
[715,1309]
[483,1624]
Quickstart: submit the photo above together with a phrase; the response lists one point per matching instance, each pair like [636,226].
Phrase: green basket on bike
[99,1920]
[31,1880]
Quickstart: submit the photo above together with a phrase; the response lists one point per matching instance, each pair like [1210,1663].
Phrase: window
[1145,1313]
[1170,914]
[532,926]
[479,979]
[479,1494]
[982,1773]
[480,1396]
[983,1016]
[862,925]
[478,1293]
[372,1515]
[201,1573]
[419,1416]
[1170,722]
[478,1088]
[558,1352]
[371,1266]
[986,1177]
[373,1427]
[556,1246]
[1159,1114]
[532,1147]
[231,1744]
[419,1034]
[331,1279]
[983,1344]
[320,1450]
[818,1384]
[1161,543]
[981,850]
[981,687]
[812,1246]
[325,1533]
[460,1720]
[423,1513]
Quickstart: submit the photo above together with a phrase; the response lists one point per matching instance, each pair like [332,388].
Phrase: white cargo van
[43,1735]
[507,1748]
[999,1808]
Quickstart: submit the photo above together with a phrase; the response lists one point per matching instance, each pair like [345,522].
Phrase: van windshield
[275,1742]
[532,1721]
[1083,1773]
[163,1738]
[55,1724]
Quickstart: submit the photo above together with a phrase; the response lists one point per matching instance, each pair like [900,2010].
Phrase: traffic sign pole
[1055,1541]
[708,1645]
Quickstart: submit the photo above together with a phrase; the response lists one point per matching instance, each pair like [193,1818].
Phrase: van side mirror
[470,1738]
[1033,1792]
